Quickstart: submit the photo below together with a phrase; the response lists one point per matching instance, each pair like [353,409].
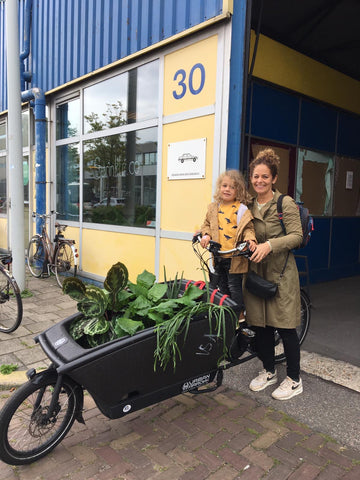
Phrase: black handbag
[260,287]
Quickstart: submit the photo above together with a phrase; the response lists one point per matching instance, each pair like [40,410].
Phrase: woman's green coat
[282,311]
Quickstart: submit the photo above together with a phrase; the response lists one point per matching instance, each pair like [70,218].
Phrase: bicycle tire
[302,329]
[11,308]
[64,264]
[36,256]
[25,436]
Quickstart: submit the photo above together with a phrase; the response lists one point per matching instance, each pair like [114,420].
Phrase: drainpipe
[14,135]
[38,96]
[25,76]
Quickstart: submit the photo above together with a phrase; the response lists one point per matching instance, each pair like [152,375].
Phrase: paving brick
[279,472]
[240,441]
[227,402]
[331,472]
[289,441]
[354,473]
[269,424]
[225,472]
[234,459]
[196,441]
[212,460]
[314,442]
[217,441]
[265,440]
[305,471]
[253,472]
[200,472]
[283,456]
[334,457]
[157,456]
[258,413]
[257,458]
[134,456]
[184,458]
[308,456]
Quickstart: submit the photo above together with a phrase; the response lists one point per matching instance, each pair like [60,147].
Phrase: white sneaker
[263,380]
[287,389]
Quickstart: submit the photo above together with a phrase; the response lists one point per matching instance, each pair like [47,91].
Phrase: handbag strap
[286,261]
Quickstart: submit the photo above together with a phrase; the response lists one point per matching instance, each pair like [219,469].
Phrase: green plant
[6,369]
[123,308]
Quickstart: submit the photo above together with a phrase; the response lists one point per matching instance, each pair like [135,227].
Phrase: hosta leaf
[167,307]
[156,316]
[74,287]
[126,326]
[137,290]
[97,326]
[156,292]
[140,306]
[191,294]
[146,279]
[117,278]
[123,297]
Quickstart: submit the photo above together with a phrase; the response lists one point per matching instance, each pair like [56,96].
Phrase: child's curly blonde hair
[241,192]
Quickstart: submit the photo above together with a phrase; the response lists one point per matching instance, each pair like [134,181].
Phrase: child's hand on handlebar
[204,242]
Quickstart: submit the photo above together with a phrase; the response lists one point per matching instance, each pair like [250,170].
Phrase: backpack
[307,221]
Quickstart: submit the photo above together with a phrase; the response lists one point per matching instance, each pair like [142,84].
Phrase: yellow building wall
[100,250]
[3,234]
[283,66]
[178,258]
[182,201]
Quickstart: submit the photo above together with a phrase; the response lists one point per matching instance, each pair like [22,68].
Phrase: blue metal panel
[274,114]
[72,38]
[348,138]
[237,72]
[349,228]
[317,126]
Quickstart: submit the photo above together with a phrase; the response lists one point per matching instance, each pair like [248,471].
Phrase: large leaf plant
[123,308]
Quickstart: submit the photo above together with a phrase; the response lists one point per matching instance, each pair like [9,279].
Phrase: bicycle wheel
[64,263]
[302,329]
[10,303]
[36,256]
[25,433]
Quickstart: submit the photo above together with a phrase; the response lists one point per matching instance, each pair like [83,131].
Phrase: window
[314,179]
[109,176]
[3,205]
[121,189]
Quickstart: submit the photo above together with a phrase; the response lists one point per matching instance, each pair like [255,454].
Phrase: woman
[269,257]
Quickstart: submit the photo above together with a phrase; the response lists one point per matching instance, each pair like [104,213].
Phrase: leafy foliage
[123,308]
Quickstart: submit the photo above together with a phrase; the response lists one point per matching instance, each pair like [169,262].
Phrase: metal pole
[14,136]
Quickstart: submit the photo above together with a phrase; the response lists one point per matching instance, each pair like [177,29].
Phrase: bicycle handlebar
[242,249]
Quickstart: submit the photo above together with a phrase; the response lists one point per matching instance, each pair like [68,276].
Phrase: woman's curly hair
[266,157]
[241,192]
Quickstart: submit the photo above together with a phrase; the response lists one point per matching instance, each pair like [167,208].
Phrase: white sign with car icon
[187,159]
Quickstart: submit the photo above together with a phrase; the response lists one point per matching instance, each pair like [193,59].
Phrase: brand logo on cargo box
[196,382]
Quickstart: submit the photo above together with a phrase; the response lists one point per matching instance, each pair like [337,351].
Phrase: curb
[14,379]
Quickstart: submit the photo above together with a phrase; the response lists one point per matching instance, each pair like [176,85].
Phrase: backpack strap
[281,215]
[280,212]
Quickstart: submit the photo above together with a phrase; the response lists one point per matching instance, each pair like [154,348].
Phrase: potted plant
[123,308]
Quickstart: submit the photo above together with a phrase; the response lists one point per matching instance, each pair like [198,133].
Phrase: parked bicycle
[59,257]
[11,309]
[207,256]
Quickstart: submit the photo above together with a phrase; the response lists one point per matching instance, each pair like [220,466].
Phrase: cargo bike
[119,375]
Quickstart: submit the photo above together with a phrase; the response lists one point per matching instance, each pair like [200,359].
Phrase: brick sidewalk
[219,436]
[223,435]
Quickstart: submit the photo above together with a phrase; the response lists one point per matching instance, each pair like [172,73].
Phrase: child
[229,222]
